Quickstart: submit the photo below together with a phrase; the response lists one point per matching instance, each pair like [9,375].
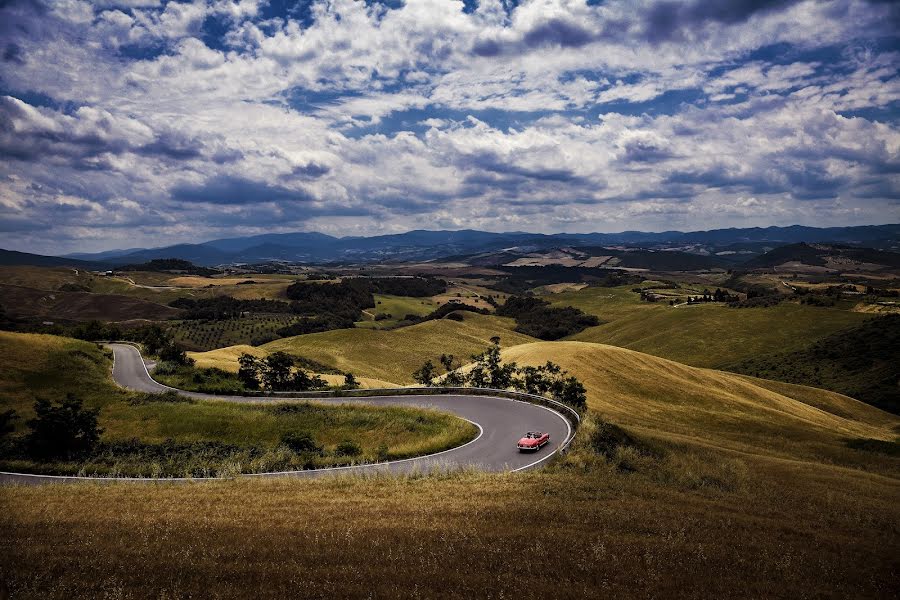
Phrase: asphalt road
[501,422]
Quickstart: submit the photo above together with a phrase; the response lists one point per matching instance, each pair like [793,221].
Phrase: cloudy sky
[142,122]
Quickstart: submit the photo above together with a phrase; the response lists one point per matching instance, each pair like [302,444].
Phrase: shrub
[174,353]
[348,448]
[607,438]
[301,442]
[350,382]
[63,430]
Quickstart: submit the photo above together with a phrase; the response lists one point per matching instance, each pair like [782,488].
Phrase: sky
[141,123]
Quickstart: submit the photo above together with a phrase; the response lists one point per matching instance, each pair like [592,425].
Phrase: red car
[533,440]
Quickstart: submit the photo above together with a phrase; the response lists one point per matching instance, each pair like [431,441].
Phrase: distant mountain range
[733,245]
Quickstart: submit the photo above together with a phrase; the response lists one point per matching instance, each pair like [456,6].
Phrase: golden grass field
[388,356]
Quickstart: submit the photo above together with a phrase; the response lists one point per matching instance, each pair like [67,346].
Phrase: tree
[425,374]
[6,422]
[173,352]
[249,371]
[7,426]
[491,372]
[64,430]
[277,373]
[570,391]
[350,382]
[154,339]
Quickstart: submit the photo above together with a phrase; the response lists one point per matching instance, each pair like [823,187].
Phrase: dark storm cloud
[230,189]
[802,180]
[720,176]
[311,170]
[174,146]
[490,161]
[557,32]
[13,53]
[645,152]
[670,20]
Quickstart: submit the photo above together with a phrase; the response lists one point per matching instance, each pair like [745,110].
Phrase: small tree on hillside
[350,382]
[174,353]
[425,374]
[249,371]
[277,374]
[64,430]
[570,391]
[154,339]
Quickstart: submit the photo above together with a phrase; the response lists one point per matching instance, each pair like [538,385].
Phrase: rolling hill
[710,335]
[12,258]
[826,255]
[862,361]
[79,306]
[672,401]
[386,355]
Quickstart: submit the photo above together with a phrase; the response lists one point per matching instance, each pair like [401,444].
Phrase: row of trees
[489,371]
[719,295]
[281,372]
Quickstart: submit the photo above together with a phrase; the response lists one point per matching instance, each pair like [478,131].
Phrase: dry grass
[702,335]
[389,356]
[676,402]
[797,531]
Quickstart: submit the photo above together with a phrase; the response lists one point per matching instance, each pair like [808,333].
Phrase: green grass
[398,307]
[49,367]
[862,362]
[707,335]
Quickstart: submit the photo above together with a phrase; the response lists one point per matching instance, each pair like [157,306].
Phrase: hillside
[826,256]
[387,355]
[79,306]
[675,402]
[862,362]
[703,335]
[14,258]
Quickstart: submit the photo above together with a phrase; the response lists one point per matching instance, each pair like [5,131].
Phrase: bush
[348,448]
[63,430]
[7,426]
[301,442]
[350,382]
[607,438]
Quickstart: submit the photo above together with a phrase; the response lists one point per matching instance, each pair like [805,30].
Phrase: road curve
[501,422]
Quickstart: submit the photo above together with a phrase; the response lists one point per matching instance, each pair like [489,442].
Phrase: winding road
[501,422]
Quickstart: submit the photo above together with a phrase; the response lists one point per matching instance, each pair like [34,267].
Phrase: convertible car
[533,440]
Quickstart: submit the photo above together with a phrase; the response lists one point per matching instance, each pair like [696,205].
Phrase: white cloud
[525,123]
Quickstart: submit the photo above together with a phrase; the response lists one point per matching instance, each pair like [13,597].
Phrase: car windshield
[533,435]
